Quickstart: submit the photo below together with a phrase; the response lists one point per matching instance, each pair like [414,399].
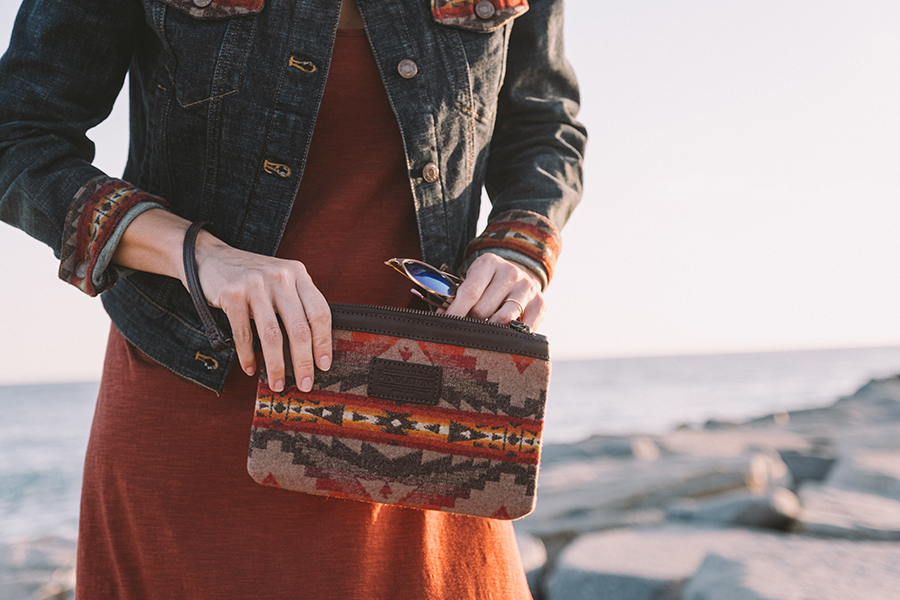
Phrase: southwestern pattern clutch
[418,410]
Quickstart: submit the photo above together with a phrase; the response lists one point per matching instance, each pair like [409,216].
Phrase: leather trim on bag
[439,329]
[405,382]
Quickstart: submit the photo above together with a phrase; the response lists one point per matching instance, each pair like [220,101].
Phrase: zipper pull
[519,326]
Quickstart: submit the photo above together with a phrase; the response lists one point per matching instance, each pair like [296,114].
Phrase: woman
[423,105]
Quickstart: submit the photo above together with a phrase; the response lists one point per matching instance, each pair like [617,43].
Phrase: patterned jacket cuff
[521,236]
[99,214]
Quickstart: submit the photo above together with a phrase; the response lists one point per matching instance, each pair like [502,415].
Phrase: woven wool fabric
[475,451]
[533,238]
[96,212]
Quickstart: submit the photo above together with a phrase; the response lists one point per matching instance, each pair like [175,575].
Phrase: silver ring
[517,303]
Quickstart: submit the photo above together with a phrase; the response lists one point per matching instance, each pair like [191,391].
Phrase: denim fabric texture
[223,102]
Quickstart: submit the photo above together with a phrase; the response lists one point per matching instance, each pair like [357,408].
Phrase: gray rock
[720,578]
[717,424]
[61,586]
[640,447]
[584,495]
[731,443]
[876,402]
[576,522]
[43,569]
[877,436]
[828,511]
[770,567]
[878,392]
[811,419]
[534,558]
[807,466]
[876,472]
[634,564]
[776,509]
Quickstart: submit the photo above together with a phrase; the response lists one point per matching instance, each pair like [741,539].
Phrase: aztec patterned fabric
[520,236]
[477,15]
[217,9]
[412,421]
[100,211]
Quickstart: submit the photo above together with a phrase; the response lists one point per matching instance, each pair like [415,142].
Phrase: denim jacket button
[407,68]
[484,9]
[81,269]
[202,3]
[430,172]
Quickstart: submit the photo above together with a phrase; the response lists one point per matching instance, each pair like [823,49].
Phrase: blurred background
[736,251]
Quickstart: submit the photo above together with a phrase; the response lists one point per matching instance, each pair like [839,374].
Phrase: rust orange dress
[168,509]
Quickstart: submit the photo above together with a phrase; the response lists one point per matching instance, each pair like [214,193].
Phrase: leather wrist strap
[216,337]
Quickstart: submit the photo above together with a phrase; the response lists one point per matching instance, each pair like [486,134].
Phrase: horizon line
[572,358]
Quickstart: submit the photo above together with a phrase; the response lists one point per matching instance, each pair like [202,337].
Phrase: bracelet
[211,327]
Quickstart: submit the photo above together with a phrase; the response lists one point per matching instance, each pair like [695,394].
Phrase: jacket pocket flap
[476,15]
[216,9]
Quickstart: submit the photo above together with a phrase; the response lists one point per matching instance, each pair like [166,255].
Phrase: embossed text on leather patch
[404,382]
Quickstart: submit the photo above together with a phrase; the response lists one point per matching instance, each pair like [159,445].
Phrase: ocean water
[43,435]
[44,428]
[655,394]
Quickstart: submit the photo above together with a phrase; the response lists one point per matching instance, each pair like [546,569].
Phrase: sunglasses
[436,287]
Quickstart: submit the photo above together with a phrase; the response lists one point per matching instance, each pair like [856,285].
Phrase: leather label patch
[404,382]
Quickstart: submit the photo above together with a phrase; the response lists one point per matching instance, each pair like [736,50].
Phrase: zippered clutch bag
[418,409]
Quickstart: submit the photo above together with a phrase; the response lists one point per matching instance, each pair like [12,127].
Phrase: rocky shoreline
[791,506]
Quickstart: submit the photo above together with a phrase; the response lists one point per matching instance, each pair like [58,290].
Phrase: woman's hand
[246,286]
[499,291]
[251,286]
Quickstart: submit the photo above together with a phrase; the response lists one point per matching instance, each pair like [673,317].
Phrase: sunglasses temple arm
[416,292]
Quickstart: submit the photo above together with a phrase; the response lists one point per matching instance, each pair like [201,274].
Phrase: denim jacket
[224,95]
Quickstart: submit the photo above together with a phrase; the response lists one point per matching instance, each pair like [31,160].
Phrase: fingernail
[306,385]
[325,363]
[279,386]
[249,370]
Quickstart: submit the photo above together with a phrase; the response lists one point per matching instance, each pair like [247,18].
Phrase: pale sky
[742,190]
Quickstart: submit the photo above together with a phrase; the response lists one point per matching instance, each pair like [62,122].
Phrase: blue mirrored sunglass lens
[432,280]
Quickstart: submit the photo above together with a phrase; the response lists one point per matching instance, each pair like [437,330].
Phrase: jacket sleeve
[534,169]
[65,65]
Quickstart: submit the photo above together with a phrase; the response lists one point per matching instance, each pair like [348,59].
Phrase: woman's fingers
[505,301]
[244,292]
[269,332]
[232,298]
[264,288]
[318,314]
[534,312]
[307,321]
[241,332]
[511,308]
[500,291]
[488,283]
[298,342]
[470,291]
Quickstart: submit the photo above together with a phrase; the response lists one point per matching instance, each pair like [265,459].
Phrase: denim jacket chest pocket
[476,32]
[477,15]
[206,44]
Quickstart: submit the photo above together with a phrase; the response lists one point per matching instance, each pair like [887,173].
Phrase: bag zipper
[527,331]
